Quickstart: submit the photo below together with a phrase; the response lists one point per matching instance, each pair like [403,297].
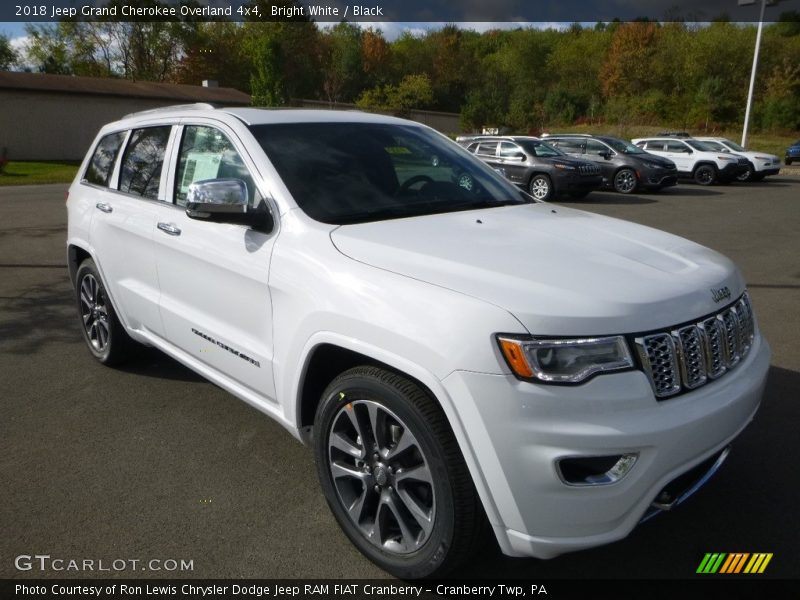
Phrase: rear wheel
[625,181]
[540,187]
[102,331]
[705,175]
[393,475]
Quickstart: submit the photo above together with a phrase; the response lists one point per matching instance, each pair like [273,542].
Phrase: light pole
[755,64]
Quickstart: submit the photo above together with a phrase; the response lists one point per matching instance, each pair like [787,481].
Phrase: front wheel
[748,175]
[705,175]
[625,181]
[540,187]
[393,475]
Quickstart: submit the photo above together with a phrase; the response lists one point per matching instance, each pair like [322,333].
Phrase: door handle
[104,206]
[169,228]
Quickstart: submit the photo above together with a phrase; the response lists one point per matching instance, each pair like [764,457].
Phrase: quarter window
[142,162]
[105,155]
[207,153]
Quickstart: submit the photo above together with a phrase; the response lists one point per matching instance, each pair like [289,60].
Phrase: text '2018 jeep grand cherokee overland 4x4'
[458,354]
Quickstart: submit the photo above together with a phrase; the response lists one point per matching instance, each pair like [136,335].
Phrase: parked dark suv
[625,167]
[536,167]
[793,152]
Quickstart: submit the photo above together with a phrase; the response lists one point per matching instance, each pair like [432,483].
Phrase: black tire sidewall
[614,182]
[713,178]
[115,331]
[428,560]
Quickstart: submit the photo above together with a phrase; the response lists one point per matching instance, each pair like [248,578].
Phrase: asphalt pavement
[151,462]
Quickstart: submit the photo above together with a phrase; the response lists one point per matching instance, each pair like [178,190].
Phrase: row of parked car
[576,164]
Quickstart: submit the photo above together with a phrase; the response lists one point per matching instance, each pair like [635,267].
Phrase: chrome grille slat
[690,356]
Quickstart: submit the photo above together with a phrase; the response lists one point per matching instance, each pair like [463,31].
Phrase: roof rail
[194,106]
[677,134]
[583,135]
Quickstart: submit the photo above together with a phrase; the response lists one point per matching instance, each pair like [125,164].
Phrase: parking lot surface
[149,461]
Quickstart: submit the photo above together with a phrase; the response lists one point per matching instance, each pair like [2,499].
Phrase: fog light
[595,470]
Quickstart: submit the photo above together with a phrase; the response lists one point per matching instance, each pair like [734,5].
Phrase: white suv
[462,358]
[696,160]
[759,164]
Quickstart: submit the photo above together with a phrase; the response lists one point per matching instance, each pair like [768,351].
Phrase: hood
[558,271]
[655,159]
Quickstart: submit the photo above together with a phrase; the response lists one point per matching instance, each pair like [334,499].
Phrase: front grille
[589,170]
[743,161]
[689,356]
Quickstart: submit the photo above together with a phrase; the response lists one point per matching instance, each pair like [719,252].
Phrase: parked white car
[759,164]
[463,359]
[695,160]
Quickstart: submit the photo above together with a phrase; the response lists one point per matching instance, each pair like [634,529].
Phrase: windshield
[342,173]
[540,149]
[702,146]
[623,146]
[734,146]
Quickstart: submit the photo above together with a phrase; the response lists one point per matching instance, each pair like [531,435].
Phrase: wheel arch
[705,163]
[335,355]
[75,256]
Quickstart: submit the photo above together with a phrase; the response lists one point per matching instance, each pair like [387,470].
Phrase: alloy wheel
[94,312]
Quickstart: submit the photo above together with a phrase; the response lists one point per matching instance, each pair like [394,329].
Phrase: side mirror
[606,155]
[225,201]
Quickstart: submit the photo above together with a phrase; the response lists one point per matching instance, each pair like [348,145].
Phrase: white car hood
[558,271]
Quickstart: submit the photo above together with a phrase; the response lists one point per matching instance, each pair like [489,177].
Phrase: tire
[102,331]
[411,526]
[625,181]
[749,175]
[705,175]
[540,187]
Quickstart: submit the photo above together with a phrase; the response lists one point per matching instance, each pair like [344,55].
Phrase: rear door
[215,299]
[680,154]
[122,227]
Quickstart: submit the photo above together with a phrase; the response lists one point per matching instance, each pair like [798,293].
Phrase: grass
[31,173]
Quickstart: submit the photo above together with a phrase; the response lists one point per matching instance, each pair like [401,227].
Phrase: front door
[215,299]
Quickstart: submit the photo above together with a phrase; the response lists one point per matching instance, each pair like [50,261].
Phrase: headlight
[563,166]
[764,158]
[564,361]
[727,158]
[650,165]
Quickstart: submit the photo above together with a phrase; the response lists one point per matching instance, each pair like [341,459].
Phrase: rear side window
[105,155]
[677,147]
[140,173]
[487,148]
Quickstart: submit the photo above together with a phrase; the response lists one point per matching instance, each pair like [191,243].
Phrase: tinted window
[596,148]
[623,146]
[487,148]
[105,155]
[677,147]
[140,173]
[569,146]
[702,146]
[207,153]
[343,173]
[509,150]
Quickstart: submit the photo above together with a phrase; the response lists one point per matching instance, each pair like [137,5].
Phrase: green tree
[8,57]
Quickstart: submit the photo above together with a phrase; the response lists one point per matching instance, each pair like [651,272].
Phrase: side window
[596,148]
[105,155]
[509,150]
[473,147]
[676,147]
[140,173]
[487,149]
[207,153]
[570,146]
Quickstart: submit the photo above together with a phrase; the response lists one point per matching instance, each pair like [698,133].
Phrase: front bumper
[659,178]
[731,171]
[518,432]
